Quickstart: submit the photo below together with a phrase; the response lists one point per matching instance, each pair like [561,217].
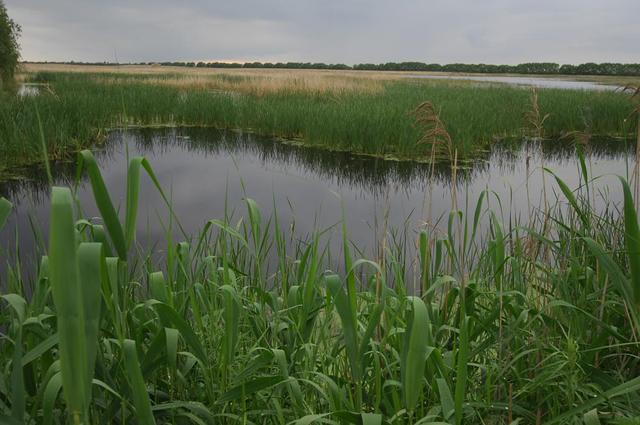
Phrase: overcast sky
[345,31]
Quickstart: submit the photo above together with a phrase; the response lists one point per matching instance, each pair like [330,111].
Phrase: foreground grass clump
[533,323]
[365,115]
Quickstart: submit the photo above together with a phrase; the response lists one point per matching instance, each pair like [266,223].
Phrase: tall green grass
[534,323]
[77,109]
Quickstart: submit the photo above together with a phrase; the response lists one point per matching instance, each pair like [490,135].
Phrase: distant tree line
[524,68]
[548,68]
[282,65]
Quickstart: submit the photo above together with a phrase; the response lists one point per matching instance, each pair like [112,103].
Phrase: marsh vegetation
[335,111]
[535,317]
[508,311]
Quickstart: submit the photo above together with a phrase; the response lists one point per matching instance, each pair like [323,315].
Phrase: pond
[207,173]
[539,82]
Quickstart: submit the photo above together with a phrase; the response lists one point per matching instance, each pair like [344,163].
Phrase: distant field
[384,75]
[182,70]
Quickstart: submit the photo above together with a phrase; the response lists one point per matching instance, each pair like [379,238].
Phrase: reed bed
[618,80]
[532,322]
[370,116]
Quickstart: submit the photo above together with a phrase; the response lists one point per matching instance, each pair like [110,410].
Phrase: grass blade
[414,352]
[67,297]
[139,393]
[92,275]
[446,400]
[170,317]
[250,387]
[50,395]
[632,242]
[231,324]
[5,210]
[571,198]
[348,326]
[18,402]
[461,371]
[133,190]
[158,287]
[625,389]
[103,202]
[618,279]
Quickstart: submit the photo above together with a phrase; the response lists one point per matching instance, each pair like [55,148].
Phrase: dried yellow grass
[261,85]
[184,70]
[247,81]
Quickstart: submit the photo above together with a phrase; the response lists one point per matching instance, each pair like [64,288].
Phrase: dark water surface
[207,172]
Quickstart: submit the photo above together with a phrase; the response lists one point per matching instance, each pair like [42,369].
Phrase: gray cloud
[347,31]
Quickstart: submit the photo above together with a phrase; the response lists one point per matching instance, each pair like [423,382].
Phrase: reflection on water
[550,83]
[207,172]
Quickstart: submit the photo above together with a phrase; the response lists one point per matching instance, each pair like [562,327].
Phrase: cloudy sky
[346,31]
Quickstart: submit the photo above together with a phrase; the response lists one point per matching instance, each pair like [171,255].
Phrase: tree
[9,47]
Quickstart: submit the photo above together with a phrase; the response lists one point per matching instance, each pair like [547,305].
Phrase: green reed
[77,109]
[534,322]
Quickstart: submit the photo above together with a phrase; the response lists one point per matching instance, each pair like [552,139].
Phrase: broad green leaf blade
[40,349]
[250,387]
[147,167]
[18,304]
[476,215]
[255,220]
[92,275]
[68,300]
[158,287]
[583,169]
[343,307]
[5,210]
[141,401]
[50,395]
[571,198]
[171,338]
[292,384]
[498,248]
[18,399]
[104,204]
[425,260]
[461,369]
[231,323]
[374,321]
[446,400]
[632,242]
[414,352]
[351,278]
[170,317]
[196,408]
[133,190]
[309,419]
